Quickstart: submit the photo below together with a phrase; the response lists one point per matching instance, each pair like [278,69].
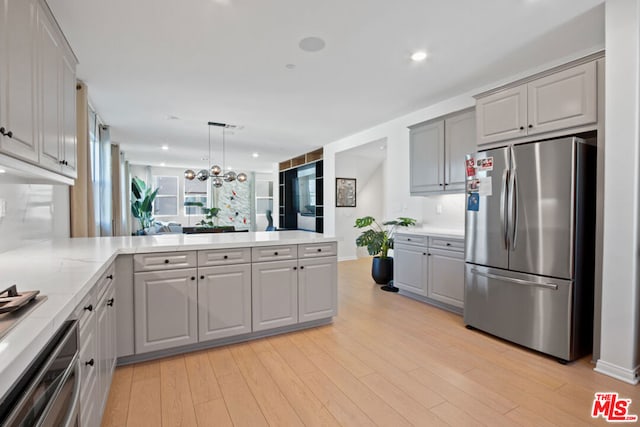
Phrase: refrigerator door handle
[513,280]
[503,208]
[513,208]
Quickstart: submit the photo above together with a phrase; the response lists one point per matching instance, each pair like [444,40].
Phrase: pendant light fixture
[218,178]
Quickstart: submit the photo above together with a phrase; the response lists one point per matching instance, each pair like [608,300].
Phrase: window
[166,202]
[195,191]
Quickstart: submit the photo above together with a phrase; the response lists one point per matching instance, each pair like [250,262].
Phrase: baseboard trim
[623,374]
[143,357]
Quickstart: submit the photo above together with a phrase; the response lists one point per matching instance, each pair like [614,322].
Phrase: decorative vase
[382,270]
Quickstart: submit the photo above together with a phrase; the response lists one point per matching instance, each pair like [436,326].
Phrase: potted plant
[142,198]
[210,217]
[378,239]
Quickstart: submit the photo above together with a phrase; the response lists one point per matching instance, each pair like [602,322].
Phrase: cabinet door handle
[424,253]
[429,254]
[319,249]
[9,134]
[275,253]
[295,268]
[3,131]
[202,277]
[193,277]
[530,126]
[448,244]
[61,162]
[302,267]
[89,307]
[110,302]
[521,127]
[408,239]
[166,261]
[110,277]
[440,185]
[225,257]
[89,363]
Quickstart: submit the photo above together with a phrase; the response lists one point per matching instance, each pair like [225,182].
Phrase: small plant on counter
[210,218]
[142,198]
[378,239]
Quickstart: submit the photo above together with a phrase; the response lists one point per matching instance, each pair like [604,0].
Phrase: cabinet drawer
[105,280]
[411,239]
[274,253]
[164,261]
[86,309]
[449,244]
[317,250]
[224,257]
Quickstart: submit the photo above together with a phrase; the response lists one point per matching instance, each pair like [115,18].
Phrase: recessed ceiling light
[165,147]
[3,171]
[290,66]
[255,155]
[419,56]
[162,164]
[172,117]
[382,147]
[229,168]
[312,44]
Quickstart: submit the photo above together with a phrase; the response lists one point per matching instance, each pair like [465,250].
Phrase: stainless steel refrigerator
[530,226]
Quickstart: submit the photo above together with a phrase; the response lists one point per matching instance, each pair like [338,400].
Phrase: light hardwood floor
[386,360]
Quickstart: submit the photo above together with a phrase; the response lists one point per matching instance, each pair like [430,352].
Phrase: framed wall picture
[345,192]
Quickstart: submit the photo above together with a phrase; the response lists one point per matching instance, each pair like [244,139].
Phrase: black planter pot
[382,270]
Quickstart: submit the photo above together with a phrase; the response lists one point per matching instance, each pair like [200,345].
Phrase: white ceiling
[225,61]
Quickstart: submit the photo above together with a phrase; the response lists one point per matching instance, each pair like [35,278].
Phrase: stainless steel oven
[48,392]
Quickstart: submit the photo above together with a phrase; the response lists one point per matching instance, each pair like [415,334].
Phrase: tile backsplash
[32,212]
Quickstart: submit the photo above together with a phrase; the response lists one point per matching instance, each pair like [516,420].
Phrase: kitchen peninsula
[152,296]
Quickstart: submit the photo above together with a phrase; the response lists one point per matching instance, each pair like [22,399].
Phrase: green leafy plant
[378,239]
[142,198]
[210,217]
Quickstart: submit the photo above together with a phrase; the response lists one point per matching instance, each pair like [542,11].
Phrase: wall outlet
[438,209]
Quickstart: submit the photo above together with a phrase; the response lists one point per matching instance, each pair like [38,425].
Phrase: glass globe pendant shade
[217,182]
[229,176]
[242,177]
[202,175]
[215,170]
[189,174]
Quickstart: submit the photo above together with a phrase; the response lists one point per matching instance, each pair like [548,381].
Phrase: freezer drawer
[532,311]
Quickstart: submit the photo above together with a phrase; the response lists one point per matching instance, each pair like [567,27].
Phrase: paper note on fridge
[485,164]
[485,186]
[473,202]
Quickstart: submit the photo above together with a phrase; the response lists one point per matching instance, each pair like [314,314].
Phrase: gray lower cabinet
[166,304]
[446,277]
[105,363]
[224,301]
[317,288]
[274,294]
[410,268]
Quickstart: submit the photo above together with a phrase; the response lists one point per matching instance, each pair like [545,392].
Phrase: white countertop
[434,231]
[65,270]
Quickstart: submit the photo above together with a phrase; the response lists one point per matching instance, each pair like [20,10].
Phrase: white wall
[620,333]
[369,200]
[32,212]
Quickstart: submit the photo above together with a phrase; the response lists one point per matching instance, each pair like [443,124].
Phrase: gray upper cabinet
[561,100]
[502,115]
[460,140]
[224,301]
[166,304]
[17,79]
[437,153]
[426,154]
[37,88]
